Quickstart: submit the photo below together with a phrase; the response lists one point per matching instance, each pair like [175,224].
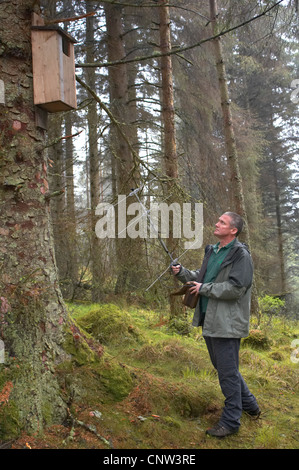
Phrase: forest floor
[153,388]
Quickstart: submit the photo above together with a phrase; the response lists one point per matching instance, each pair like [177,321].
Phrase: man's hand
[195,287]
[176,269]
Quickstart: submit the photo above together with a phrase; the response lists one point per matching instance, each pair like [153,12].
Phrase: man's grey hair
[236,221]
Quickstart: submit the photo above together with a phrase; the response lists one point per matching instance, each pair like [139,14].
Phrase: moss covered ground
[133,382]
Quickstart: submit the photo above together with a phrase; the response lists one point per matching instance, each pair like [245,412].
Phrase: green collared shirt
[217,257]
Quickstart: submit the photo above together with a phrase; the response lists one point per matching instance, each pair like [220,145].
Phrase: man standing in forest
[223,309]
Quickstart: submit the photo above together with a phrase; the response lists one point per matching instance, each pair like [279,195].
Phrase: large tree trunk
[168,113]
[71,226]
[32,309]
[94,162]
[230,140]
[71,232]
[282,281]
[63,209]
[126,173]
[236,185]
[169,138]
[57,185]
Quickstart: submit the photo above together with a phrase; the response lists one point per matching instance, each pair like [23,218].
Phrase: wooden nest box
[54,84]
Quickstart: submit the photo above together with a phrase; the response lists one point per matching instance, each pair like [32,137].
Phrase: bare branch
[66,20]
[157,55]
[117,124]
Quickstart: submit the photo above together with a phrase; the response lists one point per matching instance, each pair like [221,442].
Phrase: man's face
[223,227]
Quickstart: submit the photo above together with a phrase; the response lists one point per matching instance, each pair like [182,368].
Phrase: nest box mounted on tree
[54,85]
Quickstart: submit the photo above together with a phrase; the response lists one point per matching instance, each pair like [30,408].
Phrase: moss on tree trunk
[32,310]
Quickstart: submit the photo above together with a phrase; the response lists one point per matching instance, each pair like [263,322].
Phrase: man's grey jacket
[228,310]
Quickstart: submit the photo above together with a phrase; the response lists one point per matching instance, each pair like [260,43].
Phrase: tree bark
[32,309]
[169,136]
[127,175]
[230,140]
[236,184]
[168,113]
[63,208]
[94,162]
[57,184]
[71,232]
[283,281]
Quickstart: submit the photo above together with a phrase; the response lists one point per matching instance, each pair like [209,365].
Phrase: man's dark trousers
[224,354]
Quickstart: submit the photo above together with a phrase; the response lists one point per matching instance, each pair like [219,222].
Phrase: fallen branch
[89,427]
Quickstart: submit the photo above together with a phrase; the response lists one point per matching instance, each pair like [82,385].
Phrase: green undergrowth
[132,382]
[155,388]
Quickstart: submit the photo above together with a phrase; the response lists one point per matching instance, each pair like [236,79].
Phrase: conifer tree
[33,312]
